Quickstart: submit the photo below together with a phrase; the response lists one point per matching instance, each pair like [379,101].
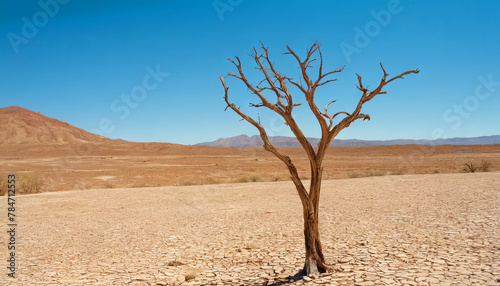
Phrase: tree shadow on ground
[285,281]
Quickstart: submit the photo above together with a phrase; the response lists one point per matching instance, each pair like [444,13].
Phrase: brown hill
[22,126]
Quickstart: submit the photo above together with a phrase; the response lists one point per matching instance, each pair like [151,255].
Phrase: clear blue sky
[80,61]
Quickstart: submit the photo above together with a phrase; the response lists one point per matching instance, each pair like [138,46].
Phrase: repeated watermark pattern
[121,106]
[126,102]
[31,26]
[470,104]
[372,29]
[454,116]
[223,6]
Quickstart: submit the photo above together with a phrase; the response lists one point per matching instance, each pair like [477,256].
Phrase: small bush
[30,184]
[187,182]
[485,166]
[470,168]
[212,181]
[368,173]
[249,178]
[396,172]
[108,185]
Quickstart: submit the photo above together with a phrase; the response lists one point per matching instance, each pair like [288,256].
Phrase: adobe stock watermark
[372,29]
[126,102]
[31,27]
[455,116]
[223,6]
[278,127]
[471,103]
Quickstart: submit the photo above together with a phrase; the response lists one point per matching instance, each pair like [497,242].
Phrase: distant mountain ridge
[244,141]
[22,126]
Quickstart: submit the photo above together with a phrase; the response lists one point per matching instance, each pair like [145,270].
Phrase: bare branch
[276,82]
[331,117]
[299,86]
[330,80]
[365,97]
[310,90]
[401,75]
[242,77]
[272,86]
[303,194]
[341,112]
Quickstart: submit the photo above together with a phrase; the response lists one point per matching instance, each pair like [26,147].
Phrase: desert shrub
[249,178]
[108,185]
[396,172]
[213,181]
[470,168]
[187,182]
[368,173]
[485,166]
[30,183]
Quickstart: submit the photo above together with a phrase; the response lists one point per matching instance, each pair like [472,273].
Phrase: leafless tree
[276,84]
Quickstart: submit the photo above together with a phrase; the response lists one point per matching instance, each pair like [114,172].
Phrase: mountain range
[22,126]
[244,141]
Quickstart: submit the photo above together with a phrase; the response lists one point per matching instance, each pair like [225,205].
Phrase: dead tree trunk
[315,260]
[275,83]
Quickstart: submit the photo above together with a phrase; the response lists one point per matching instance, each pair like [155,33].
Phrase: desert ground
[164,214]
[431,229]
[59,167]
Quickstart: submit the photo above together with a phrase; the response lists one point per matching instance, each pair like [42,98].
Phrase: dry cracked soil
[434,229]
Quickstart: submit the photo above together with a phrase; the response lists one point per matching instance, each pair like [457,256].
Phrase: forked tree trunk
[315,261]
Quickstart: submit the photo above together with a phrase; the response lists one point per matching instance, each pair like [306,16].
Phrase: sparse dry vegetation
[197,181]
[485,166]
[29,184]
[108,185]
[249,178]
[3,185]
[60,170]
[367,173]
[470,167]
